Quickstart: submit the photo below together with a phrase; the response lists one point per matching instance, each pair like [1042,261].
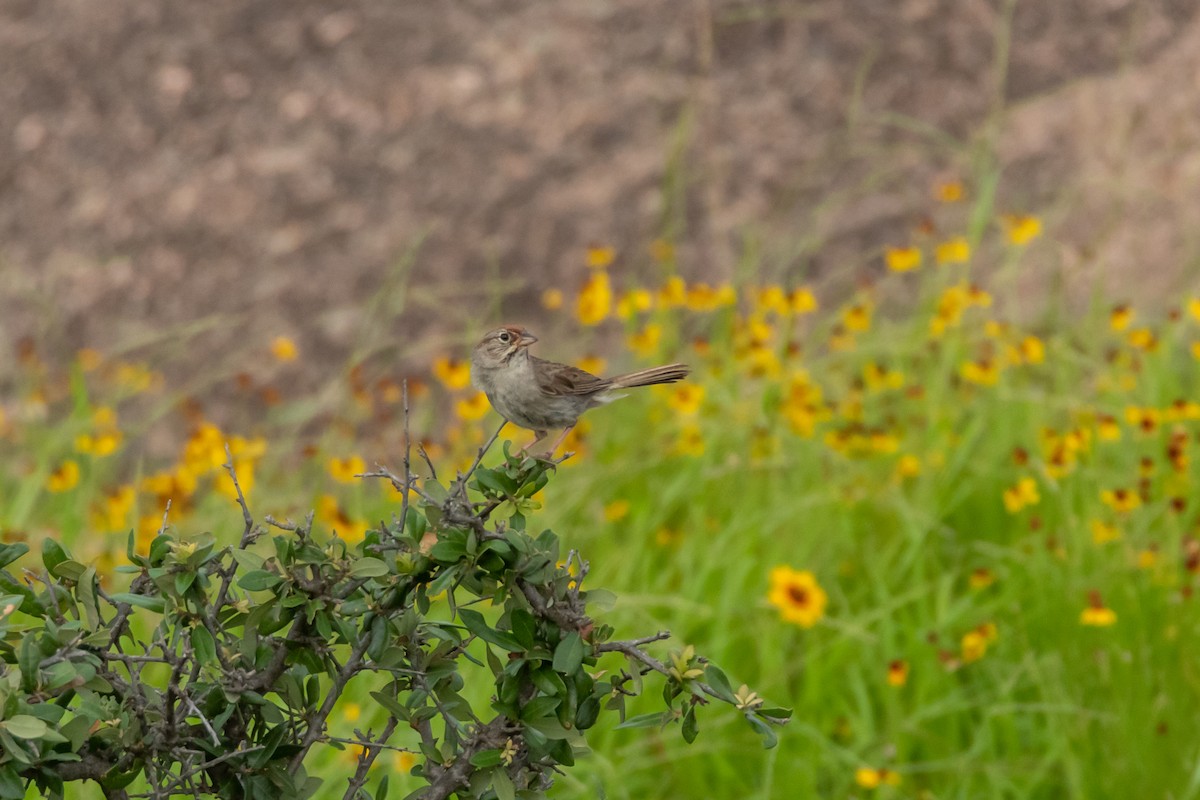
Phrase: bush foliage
[216,671]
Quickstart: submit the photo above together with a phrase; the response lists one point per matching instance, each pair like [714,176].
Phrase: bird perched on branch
[540,395]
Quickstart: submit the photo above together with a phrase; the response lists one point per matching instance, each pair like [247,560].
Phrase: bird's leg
[558,441]
[538,436]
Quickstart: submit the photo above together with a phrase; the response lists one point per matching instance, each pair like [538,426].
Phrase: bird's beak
[526,339]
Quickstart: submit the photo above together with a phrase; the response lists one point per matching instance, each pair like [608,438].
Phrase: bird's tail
[668,373]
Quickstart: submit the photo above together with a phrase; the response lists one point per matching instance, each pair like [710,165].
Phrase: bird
[541,395]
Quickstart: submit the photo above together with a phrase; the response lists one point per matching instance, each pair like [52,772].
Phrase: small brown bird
[539,395]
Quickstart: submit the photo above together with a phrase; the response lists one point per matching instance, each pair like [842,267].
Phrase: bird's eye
[504,337]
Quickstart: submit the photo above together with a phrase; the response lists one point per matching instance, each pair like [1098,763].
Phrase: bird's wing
[562,379]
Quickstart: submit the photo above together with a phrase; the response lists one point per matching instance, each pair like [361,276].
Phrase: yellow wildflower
[897,672]
[685,399]
[599,257]
[673,293]
[592,364]
[472,408]
[983,371]
[1120,500]
[1024,493]
[595,300]
[453,373]
[1104,532]
[869,778]
[951,191]
[1121,317]
[645,342]
[1022,229]
[634,301]
[902,259]
[953,251]
[344,470]
[616,510]
[1033,350]
[797,595]
[802,301]
[64,478]
[974,645]
[690,441]
[552,299]
[857,318]
[284,349]
[1096,614]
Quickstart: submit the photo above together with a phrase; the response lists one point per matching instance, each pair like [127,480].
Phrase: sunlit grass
[990,496]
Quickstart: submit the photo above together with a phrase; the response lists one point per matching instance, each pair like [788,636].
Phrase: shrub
[218,669]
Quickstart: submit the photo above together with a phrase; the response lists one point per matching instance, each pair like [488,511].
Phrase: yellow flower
[685,399]
[1120,500]
[592,364]
[1146,559]
[771,300]
[645,342]
[949,191]
[897,672]
[1143,339]
[953,251]
[350,711]
[702,297]
[635,301]
[99,445]
[909,466]
[857,318]
[343,470]
[869,778]
[1096,614]
[1193,308]
[797,595]
[595,300]
[599,257]
[116,508]
[878,377]
[616,510]
[1025,493]
[802,301]
[1022,229]
[690,441]
[902,259]
[974,645]
[984,372]
[453,373]
[1121,317]
[980,578]
[284,349]
[1103,532]
[472,408]
[1033,350]
[64,478]
[403,761]
[552,299]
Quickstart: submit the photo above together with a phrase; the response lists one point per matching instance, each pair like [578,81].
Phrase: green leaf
[259,580]
[690,728]
[486,758]
[53,554]
[140,600]
[68,570]
[85,591]
[477,625]
[24,726]
[248,560]
[369,568]
[11,787]
[720,684]
[568,655]
[764,730]
[647,720]
[502,785]
[382,792]
[203,645]
[11,552]
[600,599]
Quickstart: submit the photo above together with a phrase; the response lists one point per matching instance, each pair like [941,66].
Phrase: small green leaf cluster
[218,667]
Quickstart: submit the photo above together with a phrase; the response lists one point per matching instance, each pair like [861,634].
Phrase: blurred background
[232,170]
